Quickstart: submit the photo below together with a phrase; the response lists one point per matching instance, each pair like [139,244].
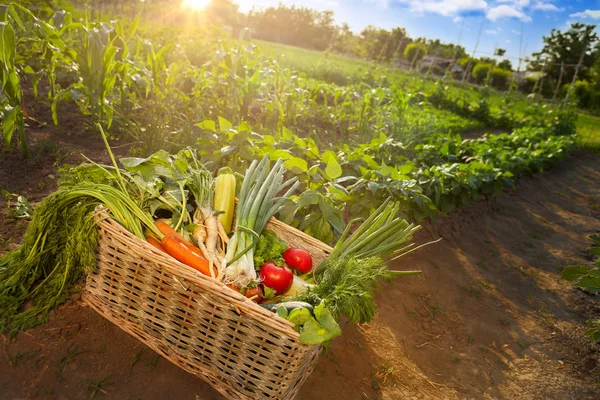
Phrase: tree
[225,11]
[499,52]
[345,41]
[567,47]
[505,65]
[297,26]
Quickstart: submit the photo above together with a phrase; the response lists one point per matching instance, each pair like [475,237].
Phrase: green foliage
[297,26]
[269,249]
[353,132]
[12,113]
[480,72]
[414,53]
[587,278]
[567,47]
[464,61]
[348,286]
[505,65]
[588,132]
[587,95]
[499,78]
[29,271]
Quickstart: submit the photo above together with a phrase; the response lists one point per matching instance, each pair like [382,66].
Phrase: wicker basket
[196,322]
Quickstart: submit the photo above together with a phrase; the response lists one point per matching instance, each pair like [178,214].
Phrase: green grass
[311,61]
[588,132]
[343,70]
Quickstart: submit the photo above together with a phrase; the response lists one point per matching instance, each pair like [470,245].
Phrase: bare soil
[488,318]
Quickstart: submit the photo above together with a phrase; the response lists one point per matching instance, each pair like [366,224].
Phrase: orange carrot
[230,286]
[154,243]
[177,249]
[168,231]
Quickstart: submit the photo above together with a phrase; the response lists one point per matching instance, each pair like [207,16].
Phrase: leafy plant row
[436,176]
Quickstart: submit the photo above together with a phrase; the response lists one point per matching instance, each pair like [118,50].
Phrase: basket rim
[185,273]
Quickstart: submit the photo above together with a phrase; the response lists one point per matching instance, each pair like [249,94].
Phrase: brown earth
[487,319]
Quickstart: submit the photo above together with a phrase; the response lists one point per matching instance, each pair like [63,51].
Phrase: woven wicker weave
[196,322]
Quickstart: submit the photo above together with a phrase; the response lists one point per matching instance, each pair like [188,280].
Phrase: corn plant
[53,51]
[12,113]
[96,63]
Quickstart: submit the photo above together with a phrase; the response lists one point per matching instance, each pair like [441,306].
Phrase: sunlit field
[204,200]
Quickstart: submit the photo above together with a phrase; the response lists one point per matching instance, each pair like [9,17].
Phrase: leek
[257,204]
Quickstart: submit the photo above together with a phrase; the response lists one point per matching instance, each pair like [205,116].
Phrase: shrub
[480,72]
[581,92]
[499,78]
[415,51]
[464,61]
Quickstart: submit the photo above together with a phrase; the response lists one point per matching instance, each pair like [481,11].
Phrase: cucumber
[289,306]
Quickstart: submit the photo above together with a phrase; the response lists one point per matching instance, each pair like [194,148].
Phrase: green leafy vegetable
[317,329]
[59,248]
[269,248]
[270,294]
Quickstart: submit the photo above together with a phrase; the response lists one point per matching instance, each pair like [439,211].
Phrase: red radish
[298,259]
[255,293]
[277,278]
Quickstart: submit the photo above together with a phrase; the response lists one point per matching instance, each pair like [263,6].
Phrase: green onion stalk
[258,202]
[382,235]
[348,279]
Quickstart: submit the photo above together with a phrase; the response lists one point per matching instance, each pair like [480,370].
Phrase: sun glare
[198,4]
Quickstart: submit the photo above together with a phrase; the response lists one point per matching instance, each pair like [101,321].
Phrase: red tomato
[278,279]
[298,259]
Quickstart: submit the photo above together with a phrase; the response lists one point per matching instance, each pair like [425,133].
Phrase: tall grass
[588,132]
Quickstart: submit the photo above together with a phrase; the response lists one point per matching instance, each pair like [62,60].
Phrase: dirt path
[487,319]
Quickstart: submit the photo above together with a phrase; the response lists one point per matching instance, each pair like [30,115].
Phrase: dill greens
[348,286]
[61,241]
[59,248]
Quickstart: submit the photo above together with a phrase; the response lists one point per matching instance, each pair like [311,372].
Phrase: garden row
[437,175]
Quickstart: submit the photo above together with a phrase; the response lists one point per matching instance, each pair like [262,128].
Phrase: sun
[198,4]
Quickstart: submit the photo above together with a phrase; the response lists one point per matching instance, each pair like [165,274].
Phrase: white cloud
[542,6]
[593,14]
[515,32]
[494,10]
[491,31]
[504,11]
[508,41]
[516,3]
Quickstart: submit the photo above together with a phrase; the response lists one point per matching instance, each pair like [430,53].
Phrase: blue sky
[502,19]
